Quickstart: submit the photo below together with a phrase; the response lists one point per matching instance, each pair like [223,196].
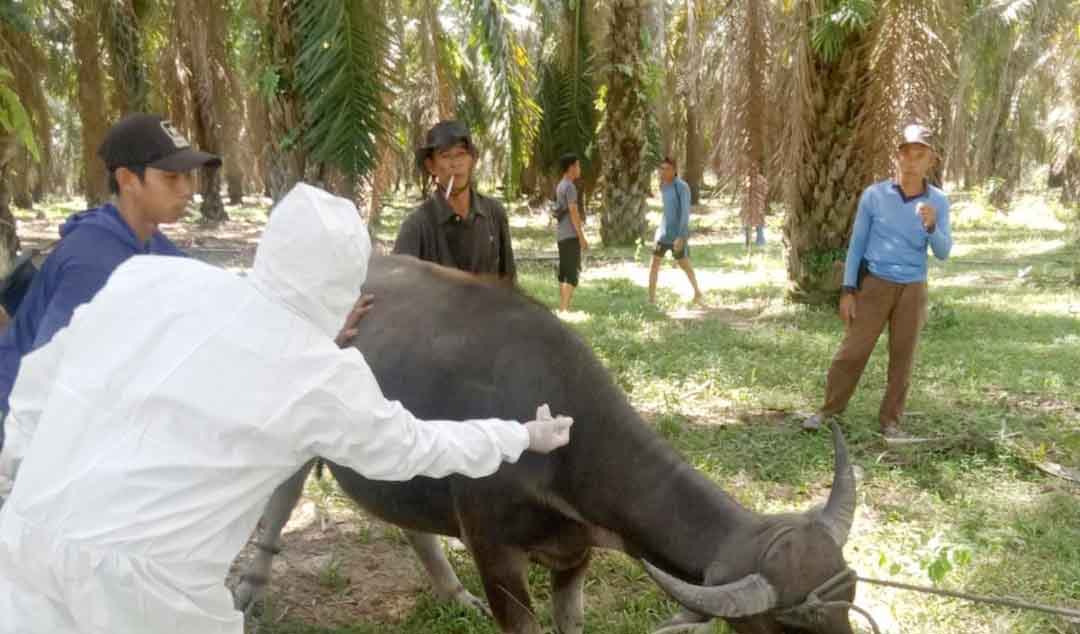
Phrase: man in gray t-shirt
[565,195]
[570,232]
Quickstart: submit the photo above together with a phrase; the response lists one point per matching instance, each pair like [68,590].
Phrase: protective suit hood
[313,256]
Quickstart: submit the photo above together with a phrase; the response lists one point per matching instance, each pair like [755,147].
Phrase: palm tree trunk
[756,108]
[750,59]
[234,169]
[1070,181]
[229,103]
[9,239]
[285,166]
[694,170]
[199,38]
[826,169]
[258,142]
[380,182]
[23,165]
[91,107]
[657,17]
[123,35]
[957,159]
[623,142]
[174,81]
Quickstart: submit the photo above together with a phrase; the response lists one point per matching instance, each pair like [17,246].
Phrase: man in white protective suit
[153,429]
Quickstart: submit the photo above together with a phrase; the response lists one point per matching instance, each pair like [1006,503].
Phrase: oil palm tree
[858,69]
[86,41]
[16,129]
[567,95]
[201,38]
[624,135]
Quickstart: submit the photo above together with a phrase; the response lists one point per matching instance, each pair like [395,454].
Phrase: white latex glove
[548,433]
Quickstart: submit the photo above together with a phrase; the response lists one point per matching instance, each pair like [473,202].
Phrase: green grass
[999,359]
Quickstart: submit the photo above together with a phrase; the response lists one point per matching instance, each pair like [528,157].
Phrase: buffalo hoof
[247,592]
[469,600]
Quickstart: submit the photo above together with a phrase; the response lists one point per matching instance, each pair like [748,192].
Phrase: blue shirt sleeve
[860,234]
[941,238]
[684,211]
[78,283]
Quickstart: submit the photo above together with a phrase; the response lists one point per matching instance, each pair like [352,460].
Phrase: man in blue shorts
[673,234]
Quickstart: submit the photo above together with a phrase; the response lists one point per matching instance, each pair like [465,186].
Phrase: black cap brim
[186,160]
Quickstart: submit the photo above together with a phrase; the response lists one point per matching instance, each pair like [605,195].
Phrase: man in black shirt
[457,226]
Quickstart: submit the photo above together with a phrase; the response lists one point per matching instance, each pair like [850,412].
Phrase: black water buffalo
[449,347]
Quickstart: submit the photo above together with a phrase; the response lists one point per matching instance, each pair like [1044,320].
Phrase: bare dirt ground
[230,245]
[337,568]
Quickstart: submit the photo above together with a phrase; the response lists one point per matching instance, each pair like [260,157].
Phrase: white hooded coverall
[156,426]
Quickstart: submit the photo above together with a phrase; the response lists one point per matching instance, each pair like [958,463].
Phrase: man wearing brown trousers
[885,279]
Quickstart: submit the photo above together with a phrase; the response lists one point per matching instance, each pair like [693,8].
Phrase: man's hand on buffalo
[548,433]
[360,308]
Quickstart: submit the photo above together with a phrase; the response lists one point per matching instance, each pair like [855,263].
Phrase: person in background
[673,234]
[885,279]
[150,167]
[457,226]
[570,232]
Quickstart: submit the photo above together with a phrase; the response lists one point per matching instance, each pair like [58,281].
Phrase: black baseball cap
[915,134]
[442,135]
[148,140]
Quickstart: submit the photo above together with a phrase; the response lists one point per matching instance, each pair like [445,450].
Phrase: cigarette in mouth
[450,186]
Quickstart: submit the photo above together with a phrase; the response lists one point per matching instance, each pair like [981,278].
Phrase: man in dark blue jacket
[150,169]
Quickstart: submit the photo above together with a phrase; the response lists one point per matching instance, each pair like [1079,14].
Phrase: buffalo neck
[631,482]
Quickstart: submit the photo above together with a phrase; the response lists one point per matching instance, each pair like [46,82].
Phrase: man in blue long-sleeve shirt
[673,234]
[885,279]
[150,169]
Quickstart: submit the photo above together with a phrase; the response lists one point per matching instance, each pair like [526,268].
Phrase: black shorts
[664,247]
[569,261]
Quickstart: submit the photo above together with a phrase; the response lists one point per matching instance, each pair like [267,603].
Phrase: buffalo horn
[750,595]
[839,511]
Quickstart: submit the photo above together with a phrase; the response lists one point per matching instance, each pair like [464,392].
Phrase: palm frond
[804,94]
[22,59]
[912,71]
[13,117]
[514,75]
[14,15]
[474,107]
[1010,39]
[747,54]
[838,21]
[341,74]
[1062,124]
[122,33]
[567,96]
[441,52]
